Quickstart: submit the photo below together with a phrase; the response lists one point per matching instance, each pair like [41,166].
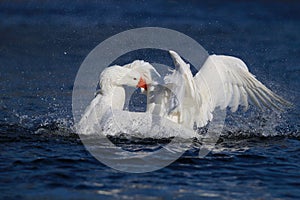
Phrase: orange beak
[142,84]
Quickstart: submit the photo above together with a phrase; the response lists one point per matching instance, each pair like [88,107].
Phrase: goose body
[174,107]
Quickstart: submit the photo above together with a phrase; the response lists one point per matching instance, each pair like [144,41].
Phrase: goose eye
[134,79]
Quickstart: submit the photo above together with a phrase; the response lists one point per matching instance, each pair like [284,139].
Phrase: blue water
[42,45]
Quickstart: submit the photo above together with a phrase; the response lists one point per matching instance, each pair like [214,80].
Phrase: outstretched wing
[184,89]
[223,81]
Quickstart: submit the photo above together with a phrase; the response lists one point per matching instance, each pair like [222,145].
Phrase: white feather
[221,82]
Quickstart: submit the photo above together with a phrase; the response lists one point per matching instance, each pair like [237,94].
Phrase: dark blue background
[42,45]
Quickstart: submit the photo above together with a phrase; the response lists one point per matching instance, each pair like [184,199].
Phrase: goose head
[117,76]
[148,72]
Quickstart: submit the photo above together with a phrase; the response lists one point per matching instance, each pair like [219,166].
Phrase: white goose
[223,81]
[105,114]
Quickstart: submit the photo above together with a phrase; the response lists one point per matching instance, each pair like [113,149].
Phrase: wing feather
[223,81]
[236,99]
[229,82]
